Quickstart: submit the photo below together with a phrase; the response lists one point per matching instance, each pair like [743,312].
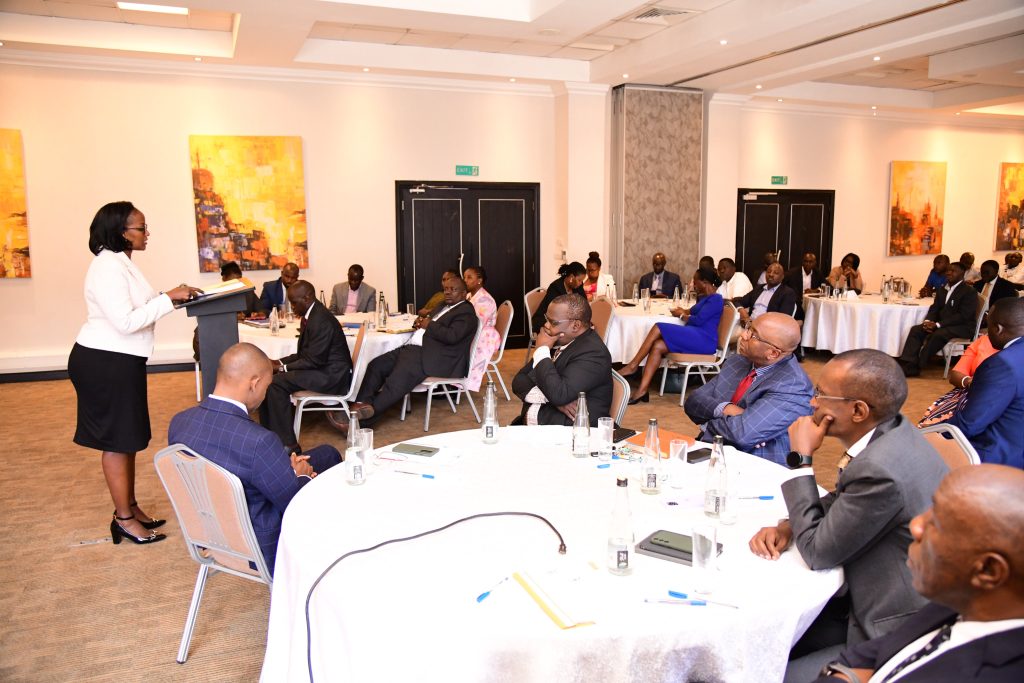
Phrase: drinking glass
[605,432]
[410,310]
[364,439]
[636,292]
[677,449]
[705,556]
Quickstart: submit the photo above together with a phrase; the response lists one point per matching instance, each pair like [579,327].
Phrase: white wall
[97,136]
[852,155]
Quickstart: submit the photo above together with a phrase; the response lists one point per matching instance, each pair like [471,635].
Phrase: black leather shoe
[151,524]
[117,532]
[640,399]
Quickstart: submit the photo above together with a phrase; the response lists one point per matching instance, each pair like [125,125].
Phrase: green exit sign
[467,170]
[780,180]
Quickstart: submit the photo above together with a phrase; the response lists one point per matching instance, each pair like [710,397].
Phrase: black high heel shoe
[640,399]
[151,524]
[117,532]
[628,375]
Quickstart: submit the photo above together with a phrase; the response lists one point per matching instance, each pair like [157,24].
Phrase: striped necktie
[843,462]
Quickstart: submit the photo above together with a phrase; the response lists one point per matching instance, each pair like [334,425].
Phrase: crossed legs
[653,349]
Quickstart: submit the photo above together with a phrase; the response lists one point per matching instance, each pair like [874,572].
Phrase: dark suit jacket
[586,365]
[446,341]
[323,357]
[993,419]
[795,280]
[770,405]
[555,289]
[272,294]
[223,433]
[669,282]
[998,658]
[782,301]
[864,525]
[957,315]
[1000,290]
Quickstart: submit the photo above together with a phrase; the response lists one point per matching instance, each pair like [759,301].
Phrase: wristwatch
[837,668]
[795,460]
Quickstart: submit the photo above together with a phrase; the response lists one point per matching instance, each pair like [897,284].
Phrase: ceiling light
[1,43]
[511,80]
[723,41]
[876,58]
[366,69]
[161,9]
[625,75]
[957,114]
[549,31]
[873,107]
[758,86]
[198,59]
[779,100]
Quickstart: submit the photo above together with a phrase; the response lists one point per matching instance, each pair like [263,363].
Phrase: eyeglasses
[819,395]
[556,323]
[748,327]
[140,228]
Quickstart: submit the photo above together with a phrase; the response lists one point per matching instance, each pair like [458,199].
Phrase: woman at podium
[107,365]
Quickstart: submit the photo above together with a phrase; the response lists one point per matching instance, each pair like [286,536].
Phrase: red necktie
[742,388]
[302,324]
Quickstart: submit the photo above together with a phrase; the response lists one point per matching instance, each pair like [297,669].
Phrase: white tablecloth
[287,340]
[409,611]
[628,327]
[865,323]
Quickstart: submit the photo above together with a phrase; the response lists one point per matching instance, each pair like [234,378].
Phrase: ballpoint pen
[757,497]
[678,596]
[415,474]
[483,596]
[695,603]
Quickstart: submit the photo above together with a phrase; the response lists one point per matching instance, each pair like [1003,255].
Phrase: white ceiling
[915,57]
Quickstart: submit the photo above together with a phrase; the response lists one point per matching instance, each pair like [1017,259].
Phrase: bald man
[661,282]
[220,430]
[887,477]
[967,557]
[759,392]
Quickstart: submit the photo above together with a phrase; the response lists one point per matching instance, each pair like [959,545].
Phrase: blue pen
[483,596]
[604,466]
[678,596]
[757,497]
[695,603]
[415,474]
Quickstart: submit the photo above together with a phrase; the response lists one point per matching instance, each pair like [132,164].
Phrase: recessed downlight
[779,100]
[873,107]
[876,58]
[625,75]
[758,86]
[366,69]
[723,41]
[197,59]
[511,80]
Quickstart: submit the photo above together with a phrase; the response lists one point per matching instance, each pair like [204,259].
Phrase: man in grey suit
[354,296]
[886,478]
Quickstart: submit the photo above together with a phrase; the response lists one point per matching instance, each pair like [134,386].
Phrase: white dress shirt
[737,286]
[1014,275]
[122,308]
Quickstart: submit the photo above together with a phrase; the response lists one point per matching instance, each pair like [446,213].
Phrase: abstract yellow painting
[917,207]
[14,254]
[250,201]
[1008,215]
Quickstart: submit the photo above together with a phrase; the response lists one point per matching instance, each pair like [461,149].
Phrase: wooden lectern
[218,328]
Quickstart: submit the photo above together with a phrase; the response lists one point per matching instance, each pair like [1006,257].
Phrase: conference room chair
[209,504]
[199,383]
[702,364]
[312,401]
[957,345]
[600,315]
[620,397]
[446,385]
[503,323]
[952,445]
[532,300]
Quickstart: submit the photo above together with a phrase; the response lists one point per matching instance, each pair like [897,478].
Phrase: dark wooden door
[447,226]
[790,222]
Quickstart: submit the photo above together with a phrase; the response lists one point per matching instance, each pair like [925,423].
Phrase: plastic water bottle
[716,482]
[650,480]
[581,429]
[275,323]
[620,531]
[490,424]
[675,297]
[382,313]
[323,299]
[355,466]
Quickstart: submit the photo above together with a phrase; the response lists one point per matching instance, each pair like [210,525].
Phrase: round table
[628,327]
[410,610]
[866,322]
[286,342]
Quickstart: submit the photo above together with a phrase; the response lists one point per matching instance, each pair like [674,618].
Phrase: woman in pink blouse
[487,311]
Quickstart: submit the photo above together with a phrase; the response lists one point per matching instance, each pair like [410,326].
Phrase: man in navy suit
[999,287]
[274,293]
[661,282]
[953,314]
[759,392]
[774,296]
[220,430]
[967,557]
[993,419]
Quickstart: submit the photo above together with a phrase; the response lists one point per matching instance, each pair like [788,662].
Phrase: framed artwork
[1011,196]
[14,253]
[917,202]
[250,201]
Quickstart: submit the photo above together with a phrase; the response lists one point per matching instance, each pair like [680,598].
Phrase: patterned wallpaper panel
[657,179]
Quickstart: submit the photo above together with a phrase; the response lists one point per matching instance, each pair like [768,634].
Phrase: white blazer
[122,308]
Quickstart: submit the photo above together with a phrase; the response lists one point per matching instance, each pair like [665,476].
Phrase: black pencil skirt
[113,409]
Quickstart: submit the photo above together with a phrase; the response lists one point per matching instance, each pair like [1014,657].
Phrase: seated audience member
[1013,271]
[886,478]
[846,274]
[438,348]
[274,294]
[936,276]
[759,392]
[437,299]
[961,376]
[230,270]
[971,274]
[999,287]
[706,262]
[322,363]
[770,257]
[993,419]
[967,558]
[699,334]
[487,311]
[570,358]
[772,297]
[803,279]
[661,282]
[354,296]
[570,281]
[953,314]
[220,430]
[735,283]
[597,283]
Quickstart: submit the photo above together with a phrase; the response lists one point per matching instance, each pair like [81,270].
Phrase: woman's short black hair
[107,229]
[479,271]
[574,268]
[708,275]
[594,257]
[854,260]
[231,268]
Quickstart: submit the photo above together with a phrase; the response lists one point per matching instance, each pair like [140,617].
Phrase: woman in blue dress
[698,334]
